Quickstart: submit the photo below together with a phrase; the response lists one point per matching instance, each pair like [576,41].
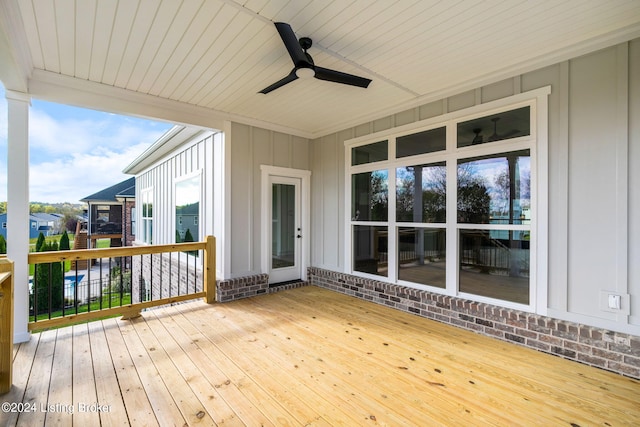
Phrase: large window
[451,207]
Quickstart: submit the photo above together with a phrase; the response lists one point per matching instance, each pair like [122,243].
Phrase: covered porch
[306,356]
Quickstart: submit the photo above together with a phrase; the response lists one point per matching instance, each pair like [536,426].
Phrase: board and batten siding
[194,157]
[247,148]
[594,181]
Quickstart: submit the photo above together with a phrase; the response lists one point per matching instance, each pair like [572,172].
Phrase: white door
[286,231]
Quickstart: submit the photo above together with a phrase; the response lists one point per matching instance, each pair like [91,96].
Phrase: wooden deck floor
[306,356]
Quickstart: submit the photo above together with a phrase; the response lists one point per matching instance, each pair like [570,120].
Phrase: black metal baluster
[195,272]
[141,290]
[151,278]
[35,292]
[161,277]
[170,273]
[50,287]
[179,272]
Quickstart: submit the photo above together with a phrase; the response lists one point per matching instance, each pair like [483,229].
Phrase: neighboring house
[111,213]
[47,224]
[487,178]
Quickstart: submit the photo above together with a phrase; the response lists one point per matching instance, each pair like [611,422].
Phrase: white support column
[18,206]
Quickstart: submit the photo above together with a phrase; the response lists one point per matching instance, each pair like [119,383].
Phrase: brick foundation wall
[613,351]
[244,287]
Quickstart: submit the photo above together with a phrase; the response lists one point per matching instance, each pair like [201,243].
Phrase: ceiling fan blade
[340,77]
[291,43]
[291,77]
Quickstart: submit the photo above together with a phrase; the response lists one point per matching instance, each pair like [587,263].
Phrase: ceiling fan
[303,63]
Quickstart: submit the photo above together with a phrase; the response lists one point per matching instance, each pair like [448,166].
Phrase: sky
[76,152]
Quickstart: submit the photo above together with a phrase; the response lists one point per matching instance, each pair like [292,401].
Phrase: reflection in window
[421,193]
[423,142]
[497,127]
[370,196]
[495,189]
[187,210]
[369,153]
[370,254]
[422,256]
[495,264]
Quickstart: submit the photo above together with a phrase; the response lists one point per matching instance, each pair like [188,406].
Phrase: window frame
[537,144]
[147,229]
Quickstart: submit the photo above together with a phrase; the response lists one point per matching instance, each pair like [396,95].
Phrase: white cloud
[75,152]
[73,178]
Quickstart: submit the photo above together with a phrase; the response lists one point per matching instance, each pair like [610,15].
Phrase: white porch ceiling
[211,57]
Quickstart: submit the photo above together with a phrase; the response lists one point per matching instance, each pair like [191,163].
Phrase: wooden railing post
[6,325]
[210,270]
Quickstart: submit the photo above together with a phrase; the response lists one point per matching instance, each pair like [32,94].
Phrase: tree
[48,286]
[40,242]
[70,222]
[64,242]
[3,245]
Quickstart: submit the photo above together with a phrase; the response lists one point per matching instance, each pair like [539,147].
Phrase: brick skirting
[244,287]
[613,351]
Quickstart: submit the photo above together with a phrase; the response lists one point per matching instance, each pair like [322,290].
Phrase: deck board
[305,356]
[106,381]
[134,399]
[61,384]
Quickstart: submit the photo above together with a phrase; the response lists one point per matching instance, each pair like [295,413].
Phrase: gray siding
[192,157]
[248,148]
[594,176]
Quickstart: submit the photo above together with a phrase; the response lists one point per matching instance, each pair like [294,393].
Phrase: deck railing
[6,324]
[117,281]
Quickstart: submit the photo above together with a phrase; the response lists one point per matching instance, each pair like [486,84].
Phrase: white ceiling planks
[124,18]
[192,76]
[190,47]
[217,54]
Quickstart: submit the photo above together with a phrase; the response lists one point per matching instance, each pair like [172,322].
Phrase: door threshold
[288,282]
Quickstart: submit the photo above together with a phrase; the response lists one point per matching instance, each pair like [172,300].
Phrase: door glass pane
[283,226]
[495,264]
[422,255]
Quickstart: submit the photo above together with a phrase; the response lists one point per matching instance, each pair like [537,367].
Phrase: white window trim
[537,142]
